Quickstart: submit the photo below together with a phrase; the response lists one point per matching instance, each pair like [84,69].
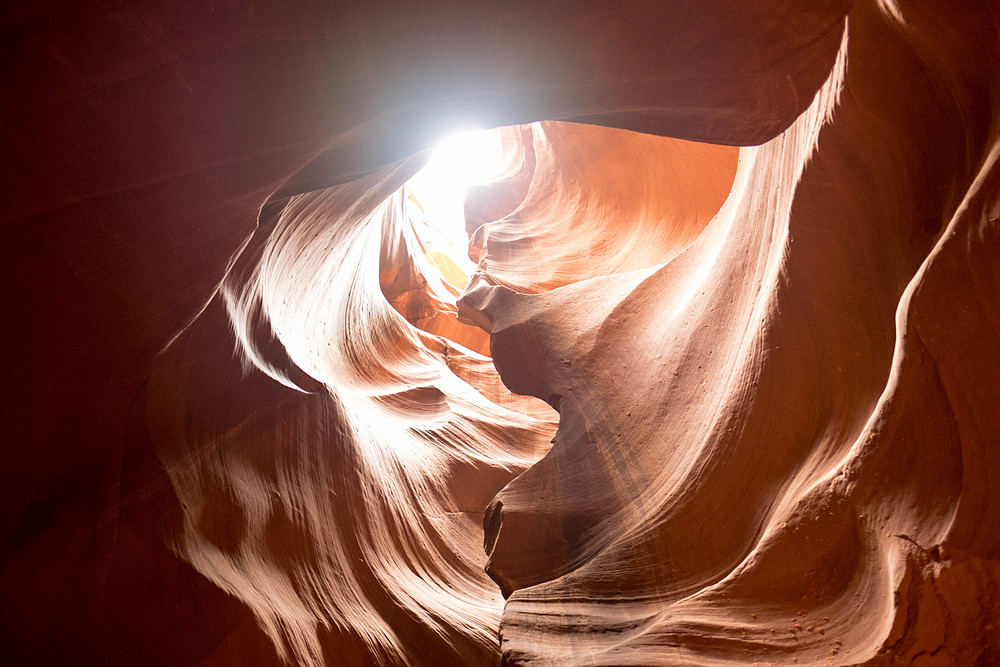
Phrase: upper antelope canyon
[546,334]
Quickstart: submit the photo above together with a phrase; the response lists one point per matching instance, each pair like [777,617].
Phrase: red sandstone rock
[777,428]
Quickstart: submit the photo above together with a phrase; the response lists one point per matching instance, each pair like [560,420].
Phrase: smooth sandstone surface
[722,389]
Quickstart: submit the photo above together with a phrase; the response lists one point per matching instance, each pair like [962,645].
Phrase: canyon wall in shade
[247,421]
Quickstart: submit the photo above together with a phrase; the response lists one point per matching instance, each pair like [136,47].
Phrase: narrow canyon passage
[701,368]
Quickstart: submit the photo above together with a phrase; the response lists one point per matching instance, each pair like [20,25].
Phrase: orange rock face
[721,390]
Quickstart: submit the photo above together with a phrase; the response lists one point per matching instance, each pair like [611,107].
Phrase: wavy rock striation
[741,470]
[250,420]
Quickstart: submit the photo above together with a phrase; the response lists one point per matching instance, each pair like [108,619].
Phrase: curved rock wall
[776,419]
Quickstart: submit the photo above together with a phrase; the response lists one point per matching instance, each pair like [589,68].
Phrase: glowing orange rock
[243,423]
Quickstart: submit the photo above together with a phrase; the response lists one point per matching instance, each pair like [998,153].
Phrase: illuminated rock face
[774,367]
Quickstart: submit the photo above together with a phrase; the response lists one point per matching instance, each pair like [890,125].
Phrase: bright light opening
[438,193]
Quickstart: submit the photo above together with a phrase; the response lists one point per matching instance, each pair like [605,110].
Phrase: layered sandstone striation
[721,390]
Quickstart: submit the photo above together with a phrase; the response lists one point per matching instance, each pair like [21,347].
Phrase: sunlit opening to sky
[437,192]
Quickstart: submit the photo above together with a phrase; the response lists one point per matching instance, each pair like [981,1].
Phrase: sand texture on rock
[721,390]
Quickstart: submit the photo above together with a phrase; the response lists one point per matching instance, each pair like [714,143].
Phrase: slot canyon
[706,370]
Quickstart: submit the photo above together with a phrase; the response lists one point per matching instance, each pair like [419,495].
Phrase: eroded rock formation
[248,421]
